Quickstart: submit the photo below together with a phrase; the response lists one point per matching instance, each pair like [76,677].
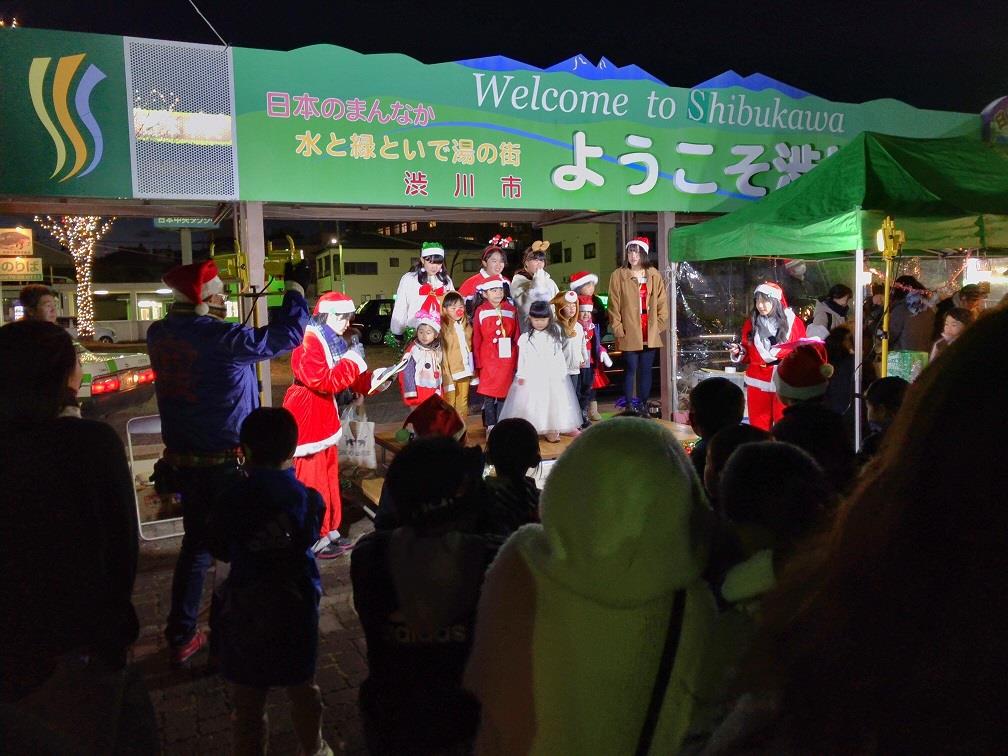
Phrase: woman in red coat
[770,324]
[323,366]
[494,346]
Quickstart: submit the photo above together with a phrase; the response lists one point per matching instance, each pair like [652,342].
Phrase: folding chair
[141,463]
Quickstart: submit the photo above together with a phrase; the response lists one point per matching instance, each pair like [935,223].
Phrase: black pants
[491,410]
[198,487]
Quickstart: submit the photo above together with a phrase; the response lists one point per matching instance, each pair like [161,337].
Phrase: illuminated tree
[79,234]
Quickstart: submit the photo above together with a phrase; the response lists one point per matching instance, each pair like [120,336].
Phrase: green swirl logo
[67,132]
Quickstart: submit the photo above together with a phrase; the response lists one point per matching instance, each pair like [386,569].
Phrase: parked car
[103,334]
[113,381]
[373,318]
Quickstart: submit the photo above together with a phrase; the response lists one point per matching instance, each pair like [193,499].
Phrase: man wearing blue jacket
[206,386]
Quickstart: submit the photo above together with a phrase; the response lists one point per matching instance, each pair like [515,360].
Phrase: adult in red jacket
[770,324]
[494,347]
[323,366]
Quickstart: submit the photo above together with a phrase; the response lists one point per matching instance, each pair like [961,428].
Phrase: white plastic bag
[357,445]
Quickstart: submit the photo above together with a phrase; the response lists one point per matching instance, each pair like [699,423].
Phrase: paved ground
[193,708]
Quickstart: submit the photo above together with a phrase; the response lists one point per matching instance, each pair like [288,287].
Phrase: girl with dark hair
[957,320]
[492,264]
[887,634]
[832,310]
[770,324]
[69,545]
[532,282]
[422,288]
[541,392]
[457,352]
[638,315]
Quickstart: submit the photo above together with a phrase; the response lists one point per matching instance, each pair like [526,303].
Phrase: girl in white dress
[541,392]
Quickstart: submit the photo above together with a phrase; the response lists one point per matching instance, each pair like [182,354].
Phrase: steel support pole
[670,355]
[859,353]
[253,246]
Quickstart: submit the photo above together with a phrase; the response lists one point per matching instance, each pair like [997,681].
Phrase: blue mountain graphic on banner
[756,82]
[579,65]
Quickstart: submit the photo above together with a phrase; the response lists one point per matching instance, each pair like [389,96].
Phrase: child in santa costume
[423,377]
[422,288]
[770,324]
[592,375]
[456,347]
[323,366]
[495,347]
[584,284]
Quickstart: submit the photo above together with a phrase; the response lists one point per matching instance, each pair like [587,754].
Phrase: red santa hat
[429,318]
[583,278]
[334,302]
[804,372]
[491,282]
[772,290]
[642,242]
[195,283]
[435,417]
[586,303]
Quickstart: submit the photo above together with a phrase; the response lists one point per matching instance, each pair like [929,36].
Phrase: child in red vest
[495,347]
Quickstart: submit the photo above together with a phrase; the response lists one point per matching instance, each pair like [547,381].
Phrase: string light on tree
[79,234]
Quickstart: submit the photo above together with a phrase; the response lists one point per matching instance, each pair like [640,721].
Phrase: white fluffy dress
[546,397]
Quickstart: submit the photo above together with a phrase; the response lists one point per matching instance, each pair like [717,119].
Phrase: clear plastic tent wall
[714,298]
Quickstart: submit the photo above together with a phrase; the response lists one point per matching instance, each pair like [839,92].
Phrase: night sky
[943,54]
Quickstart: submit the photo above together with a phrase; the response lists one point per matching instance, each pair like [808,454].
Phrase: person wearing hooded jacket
[574,615]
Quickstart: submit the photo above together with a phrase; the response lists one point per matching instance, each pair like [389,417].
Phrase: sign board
[324,124]
[16,241]
[89,115]
[195,223]
[20,268]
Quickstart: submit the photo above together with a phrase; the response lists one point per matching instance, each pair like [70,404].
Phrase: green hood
[624,518]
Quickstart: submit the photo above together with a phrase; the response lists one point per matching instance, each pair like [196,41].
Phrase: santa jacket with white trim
[496,373]
[319,376]
[761,357]
[468,287]
[410,297]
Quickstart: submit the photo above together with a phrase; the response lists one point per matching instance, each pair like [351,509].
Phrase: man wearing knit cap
[206,386]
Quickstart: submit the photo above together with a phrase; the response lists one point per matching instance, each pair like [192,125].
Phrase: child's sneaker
[335,549]
[180,655]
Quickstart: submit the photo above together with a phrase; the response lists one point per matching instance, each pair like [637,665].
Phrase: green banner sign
[64,129]
[324,124]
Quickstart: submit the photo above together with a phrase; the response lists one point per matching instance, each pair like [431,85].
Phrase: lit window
[413,226]
[402,228]
[432,224]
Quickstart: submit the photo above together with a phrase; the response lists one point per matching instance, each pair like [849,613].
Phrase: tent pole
[859,353]
[670,357]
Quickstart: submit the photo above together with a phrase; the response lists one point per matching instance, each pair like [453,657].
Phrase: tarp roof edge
[821,213]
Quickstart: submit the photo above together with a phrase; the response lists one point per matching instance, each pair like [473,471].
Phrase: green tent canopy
[943,193]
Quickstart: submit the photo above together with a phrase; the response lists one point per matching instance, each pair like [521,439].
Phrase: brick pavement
[193,708]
